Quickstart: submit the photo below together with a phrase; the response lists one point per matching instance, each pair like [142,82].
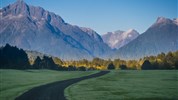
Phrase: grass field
[129,84]
[16,82]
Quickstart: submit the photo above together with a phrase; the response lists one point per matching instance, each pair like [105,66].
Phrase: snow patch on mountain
[119,38]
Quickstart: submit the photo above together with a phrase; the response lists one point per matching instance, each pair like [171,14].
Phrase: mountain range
[119,38]
[162,36]
[33,28]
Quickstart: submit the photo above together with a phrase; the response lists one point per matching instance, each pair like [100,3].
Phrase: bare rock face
[33,28]
[119,38]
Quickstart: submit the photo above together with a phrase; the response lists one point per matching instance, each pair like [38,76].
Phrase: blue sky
[108,15]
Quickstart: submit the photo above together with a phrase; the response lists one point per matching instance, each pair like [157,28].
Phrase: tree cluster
[161,61]
[45,63]
[13,58]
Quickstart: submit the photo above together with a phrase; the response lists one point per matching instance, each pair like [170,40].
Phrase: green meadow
[127,85]
[116,85]
[15,82]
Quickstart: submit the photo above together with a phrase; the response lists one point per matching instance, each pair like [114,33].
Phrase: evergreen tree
[146,65]
[123,67]
[111,66]
[37,63]
[13,58]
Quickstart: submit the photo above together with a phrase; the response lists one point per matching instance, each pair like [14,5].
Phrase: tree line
[14,58]
[161,61]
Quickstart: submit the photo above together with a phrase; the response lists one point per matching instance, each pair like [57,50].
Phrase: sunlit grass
[121,85]
[16,82]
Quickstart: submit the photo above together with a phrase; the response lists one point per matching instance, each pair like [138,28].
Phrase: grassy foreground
[15,82]
[130,84]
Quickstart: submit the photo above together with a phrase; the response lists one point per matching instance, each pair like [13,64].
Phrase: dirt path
[54,91]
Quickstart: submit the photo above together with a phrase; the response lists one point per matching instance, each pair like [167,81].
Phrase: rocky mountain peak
[131,32]
[20,2]
[163,33]
[119,38]
[163,20]
[34,28]
[19,7]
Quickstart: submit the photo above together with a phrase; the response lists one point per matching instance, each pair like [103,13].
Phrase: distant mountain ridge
[33,28]
[119,38]
[162,36]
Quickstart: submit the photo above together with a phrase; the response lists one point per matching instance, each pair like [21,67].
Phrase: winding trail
[54,91]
